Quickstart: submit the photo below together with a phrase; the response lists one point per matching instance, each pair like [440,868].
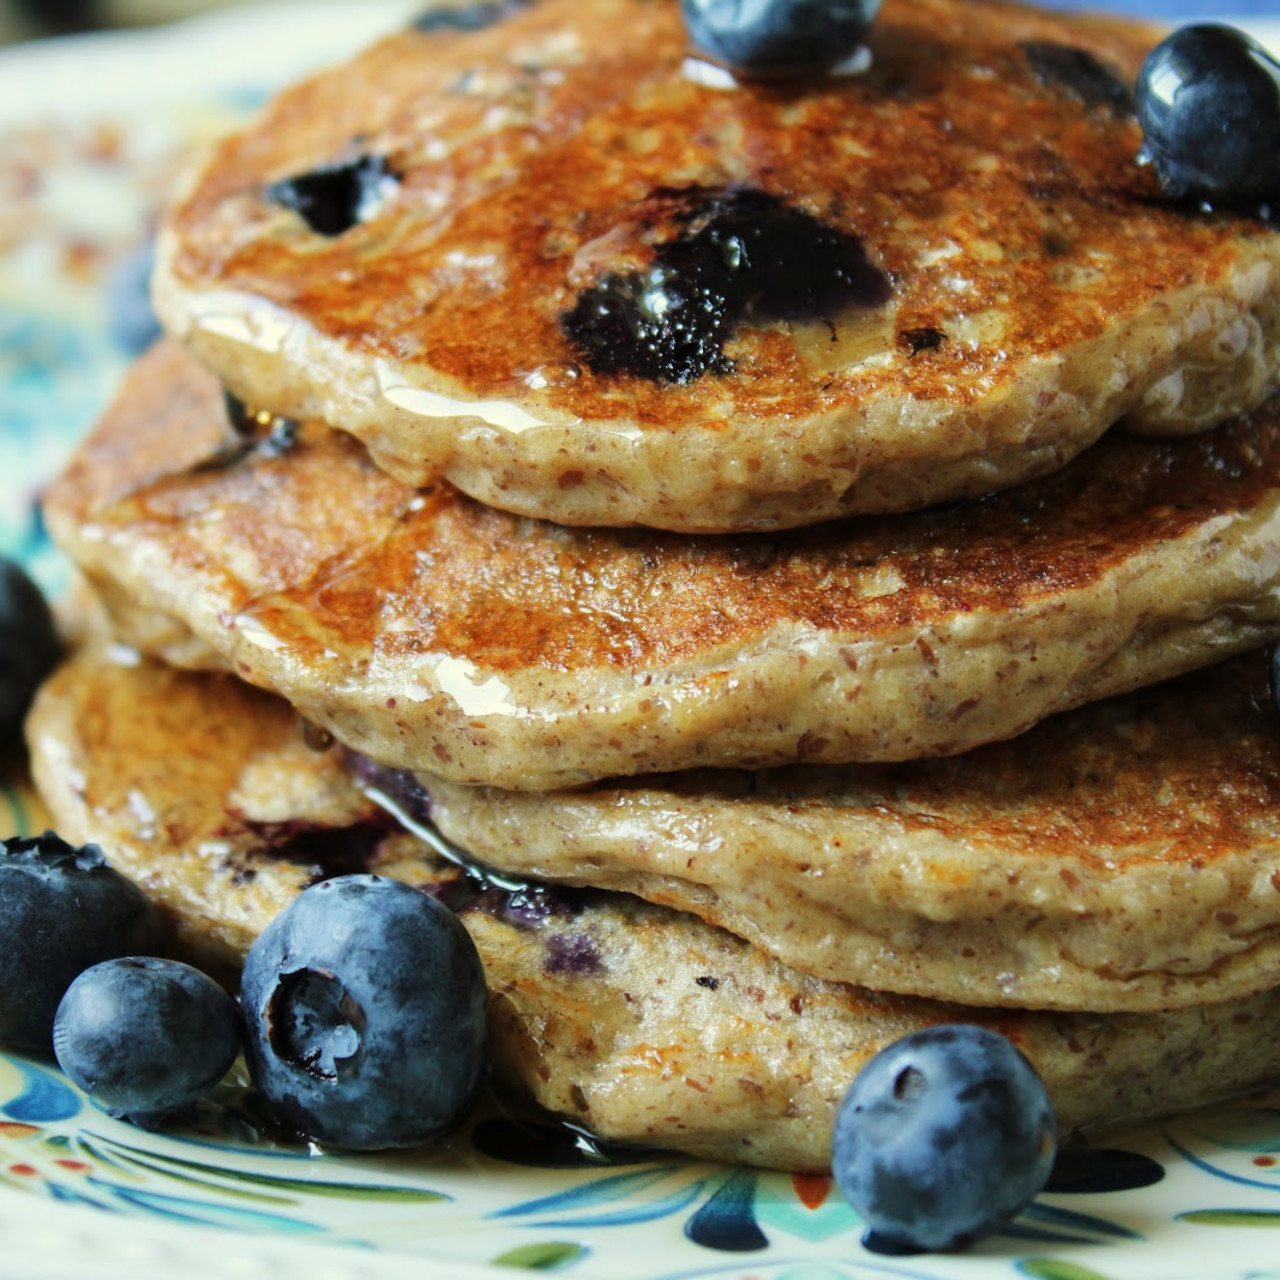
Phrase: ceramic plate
[91,133]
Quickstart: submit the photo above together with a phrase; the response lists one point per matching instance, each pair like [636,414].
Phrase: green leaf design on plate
[213,1182]
[125,1168]
[549,1256]
[1255,1129]
[1052,1269]
[1231,1217]
[172,1165]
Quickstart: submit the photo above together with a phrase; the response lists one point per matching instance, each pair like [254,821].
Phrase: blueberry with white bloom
[365,1014]
[64,909]
[145,1037]
[943,1138]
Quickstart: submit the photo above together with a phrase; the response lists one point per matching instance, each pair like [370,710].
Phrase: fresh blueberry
[942,1138]
[145,1037]
[1208,101]
[64,909]
[365,1014]
[778,38]
[28,645]
[333,199]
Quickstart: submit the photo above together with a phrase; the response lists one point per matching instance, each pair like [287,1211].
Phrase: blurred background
[26,19]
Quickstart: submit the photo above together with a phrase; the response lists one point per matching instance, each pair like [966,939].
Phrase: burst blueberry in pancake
[432,633]
[642,1023]
[551,258]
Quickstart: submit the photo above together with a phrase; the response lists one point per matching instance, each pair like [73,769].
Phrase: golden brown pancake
[996,282]
[1123,856]
[642,1023]
[432,633]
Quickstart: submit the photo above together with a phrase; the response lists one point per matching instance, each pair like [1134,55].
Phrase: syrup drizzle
[398,794]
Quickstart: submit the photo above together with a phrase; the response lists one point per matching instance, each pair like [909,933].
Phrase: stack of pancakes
[693,505]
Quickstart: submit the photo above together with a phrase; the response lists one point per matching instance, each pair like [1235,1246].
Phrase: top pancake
[1015,282]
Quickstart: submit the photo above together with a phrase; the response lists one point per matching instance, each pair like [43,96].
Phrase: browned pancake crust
[1123,856]
[642,1023]
[204,792]
[559,145]
[434,633]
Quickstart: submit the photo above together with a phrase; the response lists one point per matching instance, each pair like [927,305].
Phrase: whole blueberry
[28,645]
[942,1138]
[365,1014]
[1208,101]
[769,38]
[64,909]
[145,1037]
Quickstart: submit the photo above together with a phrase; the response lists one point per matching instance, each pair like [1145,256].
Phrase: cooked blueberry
[64,909]
[778,37]
[1080,74]
[918,340]
[333,199]
[669,323]
[28,645]
[145,1037]
[942,1138]
[740,255]
[466,17]
[1208,101]
[365,1014]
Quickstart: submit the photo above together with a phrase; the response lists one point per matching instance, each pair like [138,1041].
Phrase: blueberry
[334,198]
[942,1138]
[741,254]
[145,1037]
[365,1014]
[1208,101]
[770,38]
[64,909]
[28,645]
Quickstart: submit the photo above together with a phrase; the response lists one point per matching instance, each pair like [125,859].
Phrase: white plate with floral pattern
[91,131]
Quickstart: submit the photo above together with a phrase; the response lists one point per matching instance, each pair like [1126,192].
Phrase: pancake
[1124,856]
[432,633]
[491,254]
[642,1023]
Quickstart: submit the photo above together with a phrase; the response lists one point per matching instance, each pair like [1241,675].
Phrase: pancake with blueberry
[432,633]
[1124,856]
[565,261]
[642,1023]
